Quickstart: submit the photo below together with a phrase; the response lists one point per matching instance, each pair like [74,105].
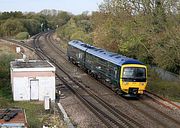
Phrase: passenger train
[124,75]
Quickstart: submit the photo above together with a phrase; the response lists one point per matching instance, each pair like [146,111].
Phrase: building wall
[21,85]
[33,74]
[46,87]
[21,89]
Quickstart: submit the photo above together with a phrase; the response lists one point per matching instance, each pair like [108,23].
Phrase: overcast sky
[73,6]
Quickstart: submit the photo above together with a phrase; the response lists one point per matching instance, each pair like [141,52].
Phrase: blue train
[124,75]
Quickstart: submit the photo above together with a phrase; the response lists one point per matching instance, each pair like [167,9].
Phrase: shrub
[4,65]
[167,89]
[22,35]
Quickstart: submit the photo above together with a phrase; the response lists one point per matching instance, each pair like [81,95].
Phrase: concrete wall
[165,75]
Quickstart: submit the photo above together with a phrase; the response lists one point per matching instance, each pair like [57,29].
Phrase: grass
[34,112]
[167,89]
[5,89]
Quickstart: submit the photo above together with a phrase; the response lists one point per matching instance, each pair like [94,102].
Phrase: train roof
[114,58]
[80,45]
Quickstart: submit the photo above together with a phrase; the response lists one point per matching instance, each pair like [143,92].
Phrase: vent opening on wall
[101,51]
[75,42]
[118,57]
[113,55]
[97,49]
[83,45]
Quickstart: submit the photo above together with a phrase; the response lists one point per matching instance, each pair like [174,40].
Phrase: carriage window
[88,58]
[115,73]
[80,55]
[113,70]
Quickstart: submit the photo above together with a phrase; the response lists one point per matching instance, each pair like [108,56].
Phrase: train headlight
[125,83]
[142,84]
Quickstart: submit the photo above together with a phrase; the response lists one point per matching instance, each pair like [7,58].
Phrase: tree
[11,27]
[5,59]
[33,26]
[60,19]
[7,15]
[144,29]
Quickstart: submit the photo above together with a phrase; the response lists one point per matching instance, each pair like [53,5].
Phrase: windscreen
[134,74]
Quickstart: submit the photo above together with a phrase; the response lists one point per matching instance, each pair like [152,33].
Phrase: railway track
[150,116]
[58,50]
[153,113]
[109,115]
[19,43]
[162,101]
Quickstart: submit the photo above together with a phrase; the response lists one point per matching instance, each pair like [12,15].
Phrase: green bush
[5,89]
[5,59]
[22,36]
[167,89]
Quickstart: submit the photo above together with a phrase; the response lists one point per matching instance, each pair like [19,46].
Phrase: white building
[32,80]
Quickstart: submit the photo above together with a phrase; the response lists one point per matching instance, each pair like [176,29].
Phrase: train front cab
[133,79]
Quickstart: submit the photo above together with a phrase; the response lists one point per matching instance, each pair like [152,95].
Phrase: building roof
[114,58]
[32,65]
